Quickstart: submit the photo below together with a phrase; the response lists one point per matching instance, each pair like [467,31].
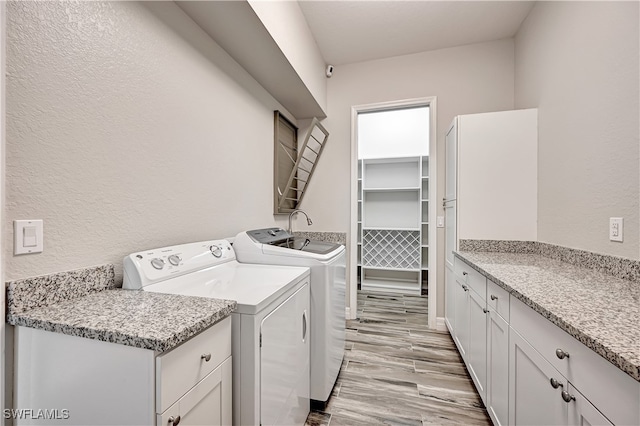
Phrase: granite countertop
[599,310]
[141,319]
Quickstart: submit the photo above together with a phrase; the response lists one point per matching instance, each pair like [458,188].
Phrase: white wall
[467,79]
[128,128]
[577,62]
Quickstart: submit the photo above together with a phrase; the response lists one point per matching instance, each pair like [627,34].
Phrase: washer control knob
[174,259]
[157,263]
[216,251]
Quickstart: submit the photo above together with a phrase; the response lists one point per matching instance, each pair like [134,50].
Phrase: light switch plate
[28,236]
[616,229]
[440,222]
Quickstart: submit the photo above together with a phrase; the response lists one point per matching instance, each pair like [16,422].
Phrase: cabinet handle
[554,383]
[561,354]
[465,273]
[304,325]
[567,396]
[206,357]
[485,310]
[174,421]
[494,297]
[465,288]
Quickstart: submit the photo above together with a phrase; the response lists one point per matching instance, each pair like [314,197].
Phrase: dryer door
[284,362]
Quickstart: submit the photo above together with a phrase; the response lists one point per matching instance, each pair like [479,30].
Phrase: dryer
[270,327]
[275,246]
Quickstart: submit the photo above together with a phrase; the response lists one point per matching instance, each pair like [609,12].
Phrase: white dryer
[275,246]
[270,327]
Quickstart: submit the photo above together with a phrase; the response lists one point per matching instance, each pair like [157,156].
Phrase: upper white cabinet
[491,178]
[393,219]
[253,34]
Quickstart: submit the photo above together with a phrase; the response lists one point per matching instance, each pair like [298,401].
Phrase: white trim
[441,325]
[352,298]
[3,73]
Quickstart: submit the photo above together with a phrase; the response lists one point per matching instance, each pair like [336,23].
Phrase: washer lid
[253,287]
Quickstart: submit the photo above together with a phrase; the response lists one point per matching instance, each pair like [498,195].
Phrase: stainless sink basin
[305,244]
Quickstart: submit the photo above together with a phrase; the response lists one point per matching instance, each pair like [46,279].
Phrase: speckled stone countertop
[599,310]
[74,304]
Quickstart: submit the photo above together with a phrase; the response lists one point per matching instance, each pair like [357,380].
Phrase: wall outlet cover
[616,229]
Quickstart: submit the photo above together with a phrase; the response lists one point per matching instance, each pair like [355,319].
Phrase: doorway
[392,233]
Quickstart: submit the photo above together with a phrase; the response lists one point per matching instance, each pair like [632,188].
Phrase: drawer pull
[465,273]
[206,357]
[561,354]
[555,383]
[567,396]
[494,297]
[465,288]
[174,421]
[485,310]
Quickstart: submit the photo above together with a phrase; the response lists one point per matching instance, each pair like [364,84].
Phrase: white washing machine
[270,327]
[275,246]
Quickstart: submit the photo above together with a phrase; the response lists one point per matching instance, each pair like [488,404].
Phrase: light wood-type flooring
[396,371]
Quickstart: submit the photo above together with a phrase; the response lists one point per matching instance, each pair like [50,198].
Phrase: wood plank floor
[396,371]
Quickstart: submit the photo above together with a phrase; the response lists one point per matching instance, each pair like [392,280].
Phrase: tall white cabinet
[491,190]
[393,219]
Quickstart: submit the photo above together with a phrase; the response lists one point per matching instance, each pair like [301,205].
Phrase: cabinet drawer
[183,367]
[498,299]
[467,275]
[614,393]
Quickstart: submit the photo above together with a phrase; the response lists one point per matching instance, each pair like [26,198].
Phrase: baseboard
[440,324]
[347,313]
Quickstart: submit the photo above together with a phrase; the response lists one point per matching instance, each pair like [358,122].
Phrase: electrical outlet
[616,229]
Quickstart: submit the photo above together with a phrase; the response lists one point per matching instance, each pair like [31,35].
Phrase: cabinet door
[497,369]
[532,398]
[450,299]
[461,314]
[285,362]
[208,403]
[477,359]
[582,412]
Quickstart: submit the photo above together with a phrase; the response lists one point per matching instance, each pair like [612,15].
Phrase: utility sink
[305,244]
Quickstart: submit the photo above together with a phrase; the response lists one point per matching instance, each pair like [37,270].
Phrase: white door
[582,412]
[461,335]
[284,362]
[207,403]
[450,202]
[535,386]
[478,343]
[498,369]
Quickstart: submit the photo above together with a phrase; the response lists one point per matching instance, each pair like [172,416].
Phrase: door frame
[352,291]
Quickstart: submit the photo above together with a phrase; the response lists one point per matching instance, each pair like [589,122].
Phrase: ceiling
[355,31]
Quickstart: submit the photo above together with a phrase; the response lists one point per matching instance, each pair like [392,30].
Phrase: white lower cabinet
[208,403]
[519,364]
[535,387]
[95,382]
[461,318]
[497,401]
[582,412]
[477,353]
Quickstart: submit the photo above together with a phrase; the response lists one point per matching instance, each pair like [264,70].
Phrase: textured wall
[468,79]
[128,128]
[577,62]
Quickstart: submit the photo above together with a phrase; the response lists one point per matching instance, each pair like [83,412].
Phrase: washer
[275,246]
[270,327]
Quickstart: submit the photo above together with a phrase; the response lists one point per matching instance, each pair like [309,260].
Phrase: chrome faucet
[309,222]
